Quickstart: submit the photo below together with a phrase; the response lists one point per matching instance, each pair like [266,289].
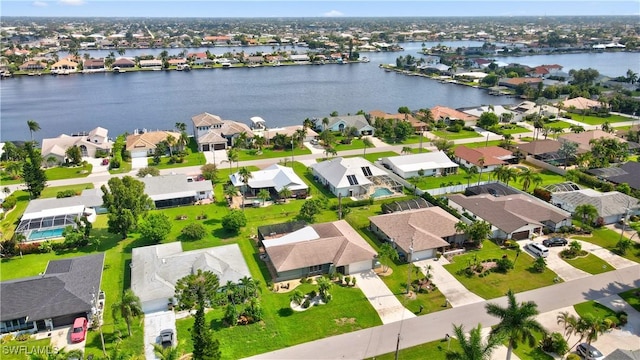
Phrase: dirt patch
[380,271]
[488,265]
[343,321]
[411,295]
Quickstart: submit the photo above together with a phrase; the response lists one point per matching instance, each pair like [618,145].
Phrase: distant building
[339,123]
[144,144]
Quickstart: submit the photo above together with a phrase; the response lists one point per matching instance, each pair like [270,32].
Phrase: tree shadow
[611,289]
[285,312]
[126,283]
[224,234]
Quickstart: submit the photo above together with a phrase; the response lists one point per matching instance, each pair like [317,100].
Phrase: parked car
[588,352]
[314,142]
[556,241]
[539,250]
[79,330]
[105,162]
[166,338]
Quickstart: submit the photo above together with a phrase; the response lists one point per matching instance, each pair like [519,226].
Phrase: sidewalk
[381,298]
[449,286]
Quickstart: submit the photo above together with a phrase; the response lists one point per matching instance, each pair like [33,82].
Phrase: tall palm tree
[407,150]
[230,191]
[264,195]
[517,321]
[168,353]
[245,175]
[33,127]
[526,177]
[587,213]
[128,307]
[473,170]
[590,326]
[259,142]
[285,193]
[473,348]
[171,141]
[481,167]
[232,155]
[182,127]
[500,173]
[568,322]
[367,144]
[325,123]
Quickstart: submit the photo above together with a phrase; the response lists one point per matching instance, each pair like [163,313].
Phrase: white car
[589,352]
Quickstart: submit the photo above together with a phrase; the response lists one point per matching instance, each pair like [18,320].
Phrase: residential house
[353,177]
[317,249]
[64,66]
[273,178]
[584,138]
[504,114]
[143,144]
[47,218]
[123,63]
[153,63]
[176,190]
[213,133]
[580,103]
[487,158]
[527,108]
[67,289]
[90,144]
[628,173]
[514,216]
[156,269]
[289,131]
[431,164]
[177,62]
[299,58]
[416,124]
[612,206]
[417,234]
[447,114]
[513,83]
[93,64]
[339,123]
[33,65]
[539,148]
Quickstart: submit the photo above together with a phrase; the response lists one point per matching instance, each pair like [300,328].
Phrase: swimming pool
[45,234]
[381,191]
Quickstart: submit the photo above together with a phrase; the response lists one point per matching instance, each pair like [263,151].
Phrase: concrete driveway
[381,298]
[449,286]
[153,324]
[98,168]
[139,163]
[614,260]
[564,271]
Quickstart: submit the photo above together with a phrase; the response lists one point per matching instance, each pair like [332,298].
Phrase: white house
[432,164]
[612,206]
[176,190]
[156,269]
[347,176]
[339,123]
[89,144]
[213,133]
[274,178]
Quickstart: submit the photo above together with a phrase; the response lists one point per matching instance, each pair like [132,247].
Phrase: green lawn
[596,120]
[591,264]
[252,154]
[525,352]
[192,159]
[414,139]
[593,308]
[480,144]
[434,182]
[355,144]
[373,157]
[51,192]
[559,124]
[521,278]
[19,350]
[509,129]
[632,297]
[435,350]
[463,134]
[125,167]
[608,240]
[63,172]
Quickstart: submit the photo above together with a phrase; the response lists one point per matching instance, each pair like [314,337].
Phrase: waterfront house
[273,178]
[123,63]
[64,66]
[504,114]
[526,108]
[580,103]
[612,206]
[447,114]
[151,64]
[416,124]
[316,249]
[417,234]
[339,123]
[90,144]
[156,269]
[47,218]
[289,131]
[431,164]
[353,177]
[213,133]
[512,216]
[93,64]
[32,65]
[513,83]
[177,62]
[176,190]
[143,144]
[65,290]
[487,158]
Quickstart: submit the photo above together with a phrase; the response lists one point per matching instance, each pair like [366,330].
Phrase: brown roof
[581,103]
[415,123]
[491,155]
[426,227]
[148,140]
[521,80]
[583,138]
[338,243]
[540,147]
[443,112]
[511,212]
[206,119]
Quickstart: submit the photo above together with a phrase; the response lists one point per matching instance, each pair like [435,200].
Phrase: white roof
[305,234]
[68,210]
[499,110]
[275,176]
[335,171]
[257,119]
[424,161]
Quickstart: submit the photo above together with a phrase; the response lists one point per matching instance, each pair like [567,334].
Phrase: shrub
[9,202]
[46,247]
[149,170]
[114,164]
[353,281]
[234,221]
[347,279]
[543,194]
[194,231]
[306,304]
[313,294]
[66,194]
[29,248]
[504,265]
[539,264]
[23,337]
[555,343]
[9,246]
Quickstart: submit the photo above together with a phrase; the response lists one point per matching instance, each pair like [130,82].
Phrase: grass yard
[51,192]
[125,168]
[434,182]
[463,134]
[559,124]
[509,129]
[632,297]
[594,308]
[591,264]
[435,350]
[608,240]
[10,221]
[524,351]
[480,144]
[596,120]
[20,350]
[521,278]
[355,144]
[267,153]
[63,172]
[415,139]
[192,159]
[374,156]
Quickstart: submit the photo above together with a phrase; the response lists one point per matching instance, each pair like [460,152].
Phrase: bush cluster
[9,202]
[66,194]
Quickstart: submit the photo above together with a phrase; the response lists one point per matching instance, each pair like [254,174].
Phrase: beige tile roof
[206,119]
[148,140]
[492,155]
[427,227]
[581,103]
[583,138]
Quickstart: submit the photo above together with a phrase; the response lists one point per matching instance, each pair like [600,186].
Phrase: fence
[545,165]
[455,188]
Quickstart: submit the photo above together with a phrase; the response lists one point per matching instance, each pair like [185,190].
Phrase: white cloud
[333,13]
[71,2]
[40,4]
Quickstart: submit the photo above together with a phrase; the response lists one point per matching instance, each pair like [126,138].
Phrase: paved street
[382,339]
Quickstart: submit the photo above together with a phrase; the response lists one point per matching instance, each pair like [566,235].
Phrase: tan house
[583,139]
[417,234]
[447,114]
[487,158]
[416,124]
[213,133]
[33,65]
[580,103]
[142,145]
[64,66]
[89,144]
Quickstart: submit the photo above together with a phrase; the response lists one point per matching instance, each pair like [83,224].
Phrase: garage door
[152,306]
[66,320]
[139,154]
[425,254]
[521,235]
[360,266]
[219,146]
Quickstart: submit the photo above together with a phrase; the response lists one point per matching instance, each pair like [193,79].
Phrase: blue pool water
[45,234]
[382,192]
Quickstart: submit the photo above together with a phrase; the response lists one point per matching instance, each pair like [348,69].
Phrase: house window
[315,268]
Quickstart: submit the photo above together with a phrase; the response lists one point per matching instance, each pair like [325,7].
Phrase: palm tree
[285,193]
[325,123]
[308,123]
[473,170]
[473,348]
[245,175]
[367,144]
[569,322]
[168,353]
[517,323]
[230,191]
[481,166]
[587,213]
[297,297]
[264,195]
[259,142]
[324,284]
[171,141]
[500,173]
[33,127]
[182,127]
[407,150]
[528,177]
[330,151]
[590,326]
[128,307]
[232,155]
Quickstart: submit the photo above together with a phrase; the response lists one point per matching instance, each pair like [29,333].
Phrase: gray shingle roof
[65,288]
[608,204]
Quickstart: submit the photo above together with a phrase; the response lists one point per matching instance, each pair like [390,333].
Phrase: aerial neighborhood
[220,238]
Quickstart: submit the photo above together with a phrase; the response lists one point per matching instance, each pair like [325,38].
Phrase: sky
[312,8]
